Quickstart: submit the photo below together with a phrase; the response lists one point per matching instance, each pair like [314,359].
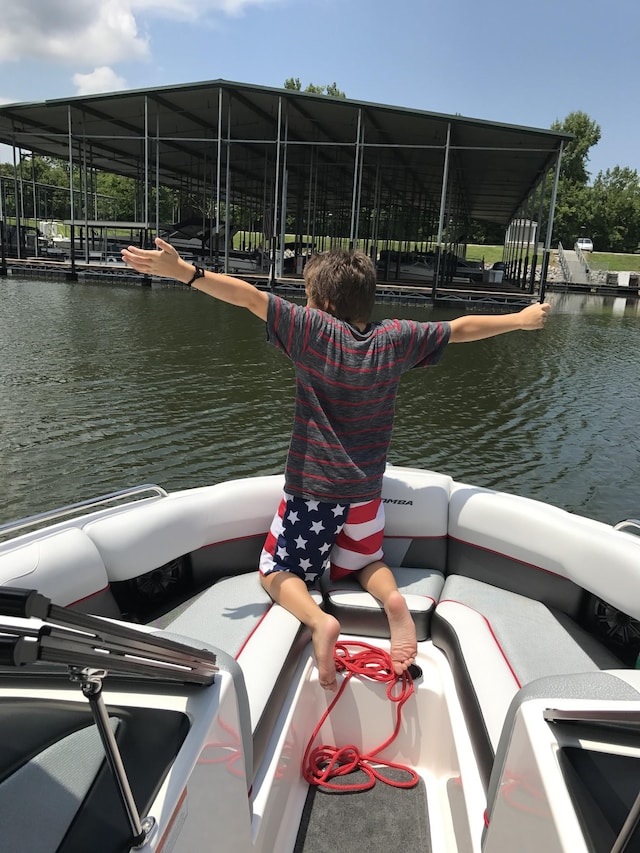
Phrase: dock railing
[583,261]
[564,266]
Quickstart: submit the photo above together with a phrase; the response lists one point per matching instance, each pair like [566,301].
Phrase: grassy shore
[612,261]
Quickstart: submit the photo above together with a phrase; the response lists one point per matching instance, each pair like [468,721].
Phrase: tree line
[607,210]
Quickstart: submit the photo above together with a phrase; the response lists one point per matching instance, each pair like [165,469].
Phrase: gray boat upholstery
[53,773]
[237,616]
[497,642]
[521,575]
[53,783]
[223,528]
[360,613]
[415,501]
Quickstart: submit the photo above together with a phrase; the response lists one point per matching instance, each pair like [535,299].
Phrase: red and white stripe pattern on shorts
[360,540]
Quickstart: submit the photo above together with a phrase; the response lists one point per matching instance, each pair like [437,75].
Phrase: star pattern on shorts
[309,530]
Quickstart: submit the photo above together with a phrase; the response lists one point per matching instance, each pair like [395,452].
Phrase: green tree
[573,213]
[295,85]
[575,156]
[116,197]
[332,89]
[616,210]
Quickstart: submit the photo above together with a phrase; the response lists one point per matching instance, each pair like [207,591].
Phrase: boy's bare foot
[404,646]
[324,637]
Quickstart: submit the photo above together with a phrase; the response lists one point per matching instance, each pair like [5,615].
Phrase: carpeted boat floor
[374,821]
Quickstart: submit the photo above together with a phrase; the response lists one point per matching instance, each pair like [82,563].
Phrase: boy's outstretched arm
[165,261]
[475,327]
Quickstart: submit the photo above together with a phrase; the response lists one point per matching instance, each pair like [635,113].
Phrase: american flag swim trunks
[306,535]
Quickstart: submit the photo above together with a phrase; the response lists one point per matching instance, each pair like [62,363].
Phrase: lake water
[107,386]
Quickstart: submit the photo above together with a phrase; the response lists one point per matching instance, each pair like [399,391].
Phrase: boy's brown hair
[344,281]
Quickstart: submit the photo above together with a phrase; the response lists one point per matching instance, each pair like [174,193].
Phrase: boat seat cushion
[53,782]
[56,786]
[497,641]
[237,616]
[138,539]
[66,567]
[223,615]
[360,613]
[557,553]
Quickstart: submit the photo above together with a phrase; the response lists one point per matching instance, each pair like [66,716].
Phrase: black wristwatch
[199,273]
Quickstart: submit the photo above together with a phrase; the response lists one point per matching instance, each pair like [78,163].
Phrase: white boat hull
[483,572]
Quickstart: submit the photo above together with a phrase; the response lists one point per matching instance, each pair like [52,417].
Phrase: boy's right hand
[534,316]
[163,261]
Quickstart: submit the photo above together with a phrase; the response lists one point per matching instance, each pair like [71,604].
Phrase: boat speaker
[621,633]
[161,585]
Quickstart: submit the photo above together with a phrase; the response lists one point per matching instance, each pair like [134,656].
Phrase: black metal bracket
[73,638]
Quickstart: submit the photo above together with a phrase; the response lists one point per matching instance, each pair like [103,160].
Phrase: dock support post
[552,210]
[276,193]
[353,228]
[73,275]
[3,233]
[3,265]
[443,201]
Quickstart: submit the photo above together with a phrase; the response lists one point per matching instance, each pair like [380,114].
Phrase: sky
[525,63]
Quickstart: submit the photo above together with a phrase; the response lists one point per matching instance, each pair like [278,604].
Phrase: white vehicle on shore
[585,244]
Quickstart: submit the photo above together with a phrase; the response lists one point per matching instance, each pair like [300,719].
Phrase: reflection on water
[109,386]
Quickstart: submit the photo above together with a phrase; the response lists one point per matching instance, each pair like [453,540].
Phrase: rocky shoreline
[597,278]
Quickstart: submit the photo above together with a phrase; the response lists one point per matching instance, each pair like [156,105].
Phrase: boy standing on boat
[347,372]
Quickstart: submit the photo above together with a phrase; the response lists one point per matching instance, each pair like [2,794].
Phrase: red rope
[324,763]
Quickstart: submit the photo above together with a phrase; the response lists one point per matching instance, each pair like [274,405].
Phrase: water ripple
[106,387]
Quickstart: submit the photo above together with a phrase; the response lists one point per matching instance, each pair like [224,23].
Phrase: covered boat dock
[289,173]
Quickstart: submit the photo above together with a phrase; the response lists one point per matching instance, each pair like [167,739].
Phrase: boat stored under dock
[456,293]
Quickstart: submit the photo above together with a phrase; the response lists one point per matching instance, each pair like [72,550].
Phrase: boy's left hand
[534,316]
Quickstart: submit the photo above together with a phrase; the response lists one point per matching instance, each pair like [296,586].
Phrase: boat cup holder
[414,671]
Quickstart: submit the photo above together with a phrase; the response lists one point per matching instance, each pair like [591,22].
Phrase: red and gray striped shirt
[346,387]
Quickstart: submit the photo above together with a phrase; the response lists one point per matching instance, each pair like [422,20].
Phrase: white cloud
[103,79]
[71,32]
[190,10]
[82,32]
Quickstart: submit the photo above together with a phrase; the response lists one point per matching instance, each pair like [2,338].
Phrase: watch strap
[199,273]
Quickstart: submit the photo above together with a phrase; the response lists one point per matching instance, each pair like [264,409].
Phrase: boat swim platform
[459,292]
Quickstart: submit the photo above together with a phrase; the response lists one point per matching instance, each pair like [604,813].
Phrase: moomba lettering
[398,501]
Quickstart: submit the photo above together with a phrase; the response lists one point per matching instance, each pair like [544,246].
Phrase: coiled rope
[323,763]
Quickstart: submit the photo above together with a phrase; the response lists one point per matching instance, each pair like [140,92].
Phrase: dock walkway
[398,292]
[463,293]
